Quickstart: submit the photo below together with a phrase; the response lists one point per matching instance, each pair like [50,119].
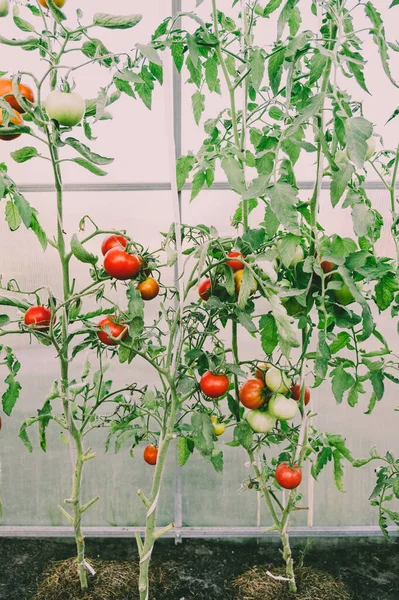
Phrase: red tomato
[24,90]
[113,241]
[288,477]
[326,266]
[251,393]
[17,120]
[38,317]
[296,393]
[204,289]
[149,288]
[236,265]
[214,386]
[150,454]
[121,264]
[114,329]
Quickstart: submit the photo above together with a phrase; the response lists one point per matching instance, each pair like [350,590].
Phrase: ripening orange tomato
[17,120]
[6,93]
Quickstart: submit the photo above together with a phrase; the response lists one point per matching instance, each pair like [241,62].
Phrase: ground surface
[369,569]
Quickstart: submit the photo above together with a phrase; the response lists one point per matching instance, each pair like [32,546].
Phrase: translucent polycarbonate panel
[135,137]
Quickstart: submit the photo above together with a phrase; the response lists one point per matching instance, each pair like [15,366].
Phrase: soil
[206,569]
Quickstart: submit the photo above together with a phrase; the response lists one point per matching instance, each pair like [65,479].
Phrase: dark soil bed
[199,570]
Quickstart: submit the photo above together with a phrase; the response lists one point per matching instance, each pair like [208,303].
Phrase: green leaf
[21,23]
[24,154]
[317,65]
[116,21]
[394,3]
[323,457]
[30,43]
[271,6]
[338,471]
[285,16]
[11,394]
[385,290]
[377,381]
[268,333]
[85,151]
[193,49]
[38,231]
[275,69]
[198,183]
[287,248]
[211,74]
[183,451]
[82,162]
[339,182]
[184,166]
[283,200]
[363,220]
[257,64]
[81,253]
[178,55]
[341,382]
[157,71]
[5,301]
[124,87]
[4,320]
[198,105]
[150,53]
[243,435]
[135,310]
[248,285]
[24,209]
[217,461]
[234,173]
[44,420]
[202,433]
[13,217]
[23,436]
[94,48]
[57,13]
[358,130]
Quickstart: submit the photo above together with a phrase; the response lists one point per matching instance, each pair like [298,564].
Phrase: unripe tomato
[38,317]
[296,393]
[236,265]
[214,386]
[277,381]
[205,289]
[292,306]
[261,371]
[16,120]
[109,327]
[68,108]
[298,256]
[282,408]
[238,275]
[252,393]
[218,428]
[113,241]
[260,421]
[59,3]
[4,8]
[371,147]
[288,477]
[121,264]
[151,454]
[149,288]
[326,266]
[24,90]
[343,296]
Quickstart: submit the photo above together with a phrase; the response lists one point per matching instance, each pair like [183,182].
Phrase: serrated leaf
[338,471]
[234,173]
[24,209]
[13,217]
[202,433]
[341,382]
[81,253]
[323,457]
[183,451]
[357,131]
[339,182]
[283,199]
[85,151]
[11,395]
[275,69]
[135,310]
[243,434]
[184,166]
[268,333]
[116,21]
[217,461]
[198,183]
[198,105]
[150,53]
[257,64]
[385,290]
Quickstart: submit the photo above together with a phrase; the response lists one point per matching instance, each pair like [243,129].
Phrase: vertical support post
[177,128]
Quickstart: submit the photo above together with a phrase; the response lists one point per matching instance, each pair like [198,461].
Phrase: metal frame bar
[158,187]
[196,532]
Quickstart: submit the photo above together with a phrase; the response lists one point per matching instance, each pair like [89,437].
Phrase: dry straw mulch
[312,585]
[114,580]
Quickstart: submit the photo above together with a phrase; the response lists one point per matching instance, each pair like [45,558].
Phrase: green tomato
[282,408]
[371,147]
[292,306]
[260,421]
[66,108]
[4,8]
[298,257]
[343,296]
[277,381]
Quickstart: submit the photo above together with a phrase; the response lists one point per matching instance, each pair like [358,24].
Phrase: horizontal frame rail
[158,187]
[23,531]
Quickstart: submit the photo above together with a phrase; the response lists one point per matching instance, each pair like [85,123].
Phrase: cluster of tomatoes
[205,287]
[65,107]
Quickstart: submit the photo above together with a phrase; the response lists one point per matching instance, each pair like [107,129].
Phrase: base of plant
[114,580]
[312,585]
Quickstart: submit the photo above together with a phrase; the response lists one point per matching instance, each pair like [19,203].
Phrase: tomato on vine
[260,421]
[326,266]
[238,275]
[151,454]
[67,108]
[205,289]
[252,393]
[6,92]
[213,385]
[218,428]
[109,328]
[296,393]
[113,241]
[121,264]
[235,264]
[38,317]
[282,408]
[288,477]
[15,120]
[277,381]
[149,288]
